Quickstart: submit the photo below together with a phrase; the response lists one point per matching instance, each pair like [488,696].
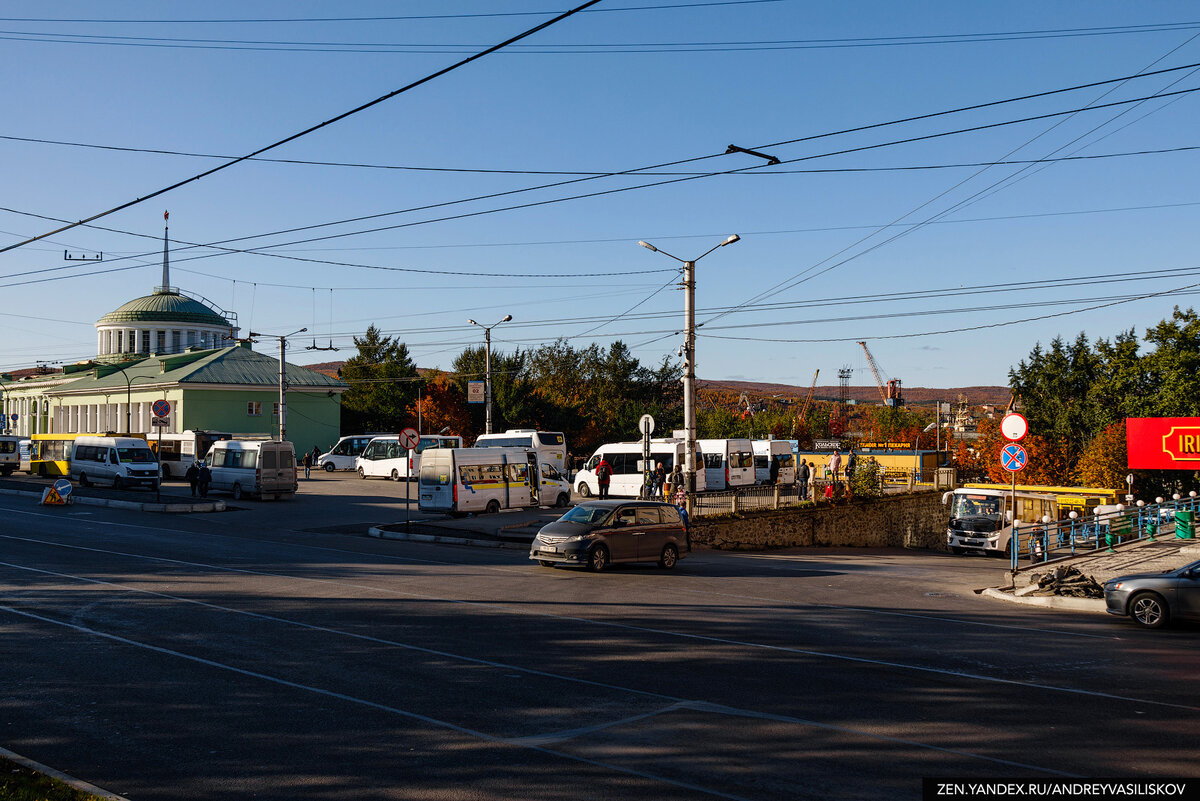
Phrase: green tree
[382,381]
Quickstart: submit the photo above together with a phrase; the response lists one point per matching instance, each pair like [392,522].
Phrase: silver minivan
[265,468]
[120,461]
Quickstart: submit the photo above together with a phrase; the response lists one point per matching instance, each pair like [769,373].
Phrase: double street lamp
[487,338]
[689,356]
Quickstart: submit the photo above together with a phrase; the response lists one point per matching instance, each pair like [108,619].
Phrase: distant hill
[975,395]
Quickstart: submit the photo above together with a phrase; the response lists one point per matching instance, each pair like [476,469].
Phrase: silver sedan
[1153,599]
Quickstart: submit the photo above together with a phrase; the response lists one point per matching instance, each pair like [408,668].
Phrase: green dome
[164,308]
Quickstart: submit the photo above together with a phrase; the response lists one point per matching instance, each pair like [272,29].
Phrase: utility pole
[282,377]
[689,355]
[487,339]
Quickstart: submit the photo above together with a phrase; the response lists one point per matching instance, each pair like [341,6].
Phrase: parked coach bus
[550,445]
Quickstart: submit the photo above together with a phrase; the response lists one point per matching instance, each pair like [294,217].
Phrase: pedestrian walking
[802,474]
[308,460]
[569,465]
[193,477]
[203,479]
[603,476]
[660,478]
[835,463]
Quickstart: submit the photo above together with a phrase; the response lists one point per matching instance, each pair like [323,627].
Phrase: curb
[167,508]
[81,786]
[1049,601]
[375,531]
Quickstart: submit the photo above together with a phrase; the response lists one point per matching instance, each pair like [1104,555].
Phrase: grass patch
[19,783]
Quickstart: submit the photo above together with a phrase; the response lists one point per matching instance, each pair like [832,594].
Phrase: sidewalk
[173,499]
[1157,556]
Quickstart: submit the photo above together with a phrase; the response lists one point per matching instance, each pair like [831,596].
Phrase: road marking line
[959,674]
[373,705]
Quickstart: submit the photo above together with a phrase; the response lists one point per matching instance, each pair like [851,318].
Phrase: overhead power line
[318,126]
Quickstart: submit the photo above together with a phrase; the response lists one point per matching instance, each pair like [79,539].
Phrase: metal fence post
[778,494]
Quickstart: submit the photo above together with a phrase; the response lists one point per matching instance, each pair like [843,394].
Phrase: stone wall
[898,521]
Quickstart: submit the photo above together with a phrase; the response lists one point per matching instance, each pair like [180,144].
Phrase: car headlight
[1113,585]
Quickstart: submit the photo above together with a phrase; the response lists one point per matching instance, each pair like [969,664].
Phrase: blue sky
[574,99]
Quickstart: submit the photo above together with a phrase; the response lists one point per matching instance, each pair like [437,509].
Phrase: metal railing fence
[1039,543]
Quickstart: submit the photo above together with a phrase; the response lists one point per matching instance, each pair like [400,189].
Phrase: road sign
[160,422]
[646,425]
[161,408]
[14,418]
[409,438]
[63,488]
[1014,427]
[476,392]
[1013,458]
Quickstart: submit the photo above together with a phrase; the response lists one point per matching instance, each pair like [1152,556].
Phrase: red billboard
[1163,443]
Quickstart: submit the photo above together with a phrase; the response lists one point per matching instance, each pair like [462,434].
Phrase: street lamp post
[282,377]
[689,356]
[487,338]
[129,394]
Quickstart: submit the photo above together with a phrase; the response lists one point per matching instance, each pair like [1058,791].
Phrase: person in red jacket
[603,476]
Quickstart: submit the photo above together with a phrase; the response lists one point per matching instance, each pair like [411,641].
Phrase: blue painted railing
[1038,543]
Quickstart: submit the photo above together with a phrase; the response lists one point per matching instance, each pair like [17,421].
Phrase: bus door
[532,476]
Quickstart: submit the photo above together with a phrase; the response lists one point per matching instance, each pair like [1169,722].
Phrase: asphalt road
[273,652]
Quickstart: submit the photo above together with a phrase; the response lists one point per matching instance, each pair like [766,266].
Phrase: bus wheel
[83,480]
[236,492]
[493,507]
[118,483]
[166,471]
[329,467]
[563,500]
[584,490]
[395,474]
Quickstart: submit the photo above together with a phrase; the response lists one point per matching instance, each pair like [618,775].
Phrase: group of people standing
[661,485]
[807,472]
[199,477]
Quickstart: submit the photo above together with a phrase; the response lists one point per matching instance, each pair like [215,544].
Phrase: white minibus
[177,452]
[10,454]
[459,480]
[767,449]
[625,459]
[728,463]
[121,461]
[342,456]
[384,458]
[550,445]
[254,467]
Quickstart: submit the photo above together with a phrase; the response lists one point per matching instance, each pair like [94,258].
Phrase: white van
[120,461]
[10,454]
[728,463]
[344,454]
[457,480]
[625,459]
[767,449]
[254,467]
[384,458]
[550,445]
[177,452]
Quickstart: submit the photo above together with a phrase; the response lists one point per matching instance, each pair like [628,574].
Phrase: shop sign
[1163,443]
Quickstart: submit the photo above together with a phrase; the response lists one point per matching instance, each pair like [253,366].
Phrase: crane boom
[809,398]
[875,372]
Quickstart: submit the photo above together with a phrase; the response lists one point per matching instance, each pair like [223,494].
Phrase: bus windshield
[135,455]
[976,506]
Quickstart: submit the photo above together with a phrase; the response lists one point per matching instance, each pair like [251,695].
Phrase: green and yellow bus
[1083,500]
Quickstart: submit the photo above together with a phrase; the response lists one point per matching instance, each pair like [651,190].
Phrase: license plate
[550,549]
[974,542]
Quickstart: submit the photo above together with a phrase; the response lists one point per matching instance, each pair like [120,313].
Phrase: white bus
[176,452]
[550,445]
[728,463]
[121,461]
[10,454]
[384,458]
[459,480]
[625,459]
[342,456]
[767,449]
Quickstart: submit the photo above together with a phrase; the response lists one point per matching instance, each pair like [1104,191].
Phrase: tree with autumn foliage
[1105,459]
[441,405]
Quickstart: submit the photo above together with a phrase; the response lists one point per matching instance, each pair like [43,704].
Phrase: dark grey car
[602,533]
[1152,599]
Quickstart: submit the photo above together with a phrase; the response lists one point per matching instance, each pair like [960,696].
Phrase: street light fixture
[282,377]
[689,356]
[487,338]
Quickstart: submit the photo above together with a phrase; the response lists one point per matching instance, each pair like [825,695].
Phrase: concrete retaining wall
[900,521]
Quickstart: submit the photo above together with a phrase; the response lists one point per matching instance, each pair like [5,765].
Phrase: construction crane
[808,400]
[891,395]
